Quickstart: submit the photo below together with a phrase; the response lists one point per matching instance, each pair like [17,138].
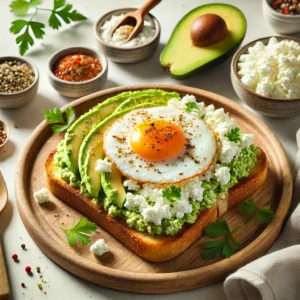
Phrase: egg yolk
[157,140]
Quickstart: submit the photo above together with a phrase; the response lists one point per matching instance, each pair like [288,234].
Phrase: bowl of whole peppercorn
[4,133]
[18,81]
[282,15]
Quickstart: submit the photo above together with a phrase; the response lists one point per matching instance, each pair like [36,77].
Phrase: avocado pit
[208,29]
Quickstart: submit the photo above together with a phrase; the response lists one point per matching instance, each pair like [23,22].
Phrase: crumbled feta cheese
[156,213]
[222,174]
[272,70]
[228,151]
[41,196]
[99,247]
[181,207]
[246,140]
[131,185]
[103,166]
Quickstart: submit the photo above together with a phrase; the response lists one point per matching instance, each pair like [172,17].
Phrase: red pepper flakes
[286,7]
[23,285]
[78,67]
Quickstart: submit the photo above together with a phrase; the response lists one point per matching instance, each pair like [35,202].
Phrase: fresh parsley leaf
[172,193]
[25,39]
[21,7]
[65,12]
[190,106]
[226,246]
[234,135]
[80,231]
[55,116]
[265,215]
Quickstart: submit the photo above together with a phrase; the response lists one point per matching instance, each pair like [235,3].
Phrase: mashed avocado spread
[238,156]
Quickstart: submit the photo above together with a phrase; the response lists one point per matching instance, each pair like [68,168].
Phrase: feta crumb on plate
[103,166]
[41,196]
[99,247]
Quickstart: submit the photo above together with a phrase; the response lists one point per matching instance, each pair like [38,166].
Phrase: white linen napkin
[275,276]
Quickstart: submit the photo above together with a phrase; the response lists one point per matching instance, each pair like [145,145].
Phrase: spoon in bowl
[136,19]
[4,287]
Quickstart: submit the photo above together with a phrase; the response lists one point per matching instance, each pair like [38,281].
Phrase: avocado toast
[156,216]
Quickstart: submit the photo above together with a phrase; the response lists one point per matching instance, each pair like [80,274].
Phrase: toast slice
[154,248]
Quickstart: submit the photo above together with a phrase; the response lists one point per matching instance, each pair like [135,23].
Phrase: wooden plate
[120,268]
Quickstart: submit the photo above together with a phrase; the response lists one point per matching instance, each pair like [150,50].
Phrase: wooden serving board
[120,268]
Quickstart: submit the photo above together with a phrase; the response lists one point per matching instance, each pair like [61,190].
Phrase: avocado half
[180,58]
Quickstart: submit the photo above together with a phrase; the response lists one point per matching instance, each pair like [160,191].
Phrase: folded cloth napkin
[275,276]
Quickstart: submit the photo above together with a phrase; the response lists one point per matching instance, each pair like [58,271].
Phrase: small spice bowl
[23,97]
[127,54]
[272,107]
[5,127]
[283,24]
[80,88]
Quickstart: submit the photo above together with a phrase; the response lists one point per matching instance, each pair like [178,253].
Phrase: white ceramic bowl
[127,55]
[82,88]
[283,24]
[23,97]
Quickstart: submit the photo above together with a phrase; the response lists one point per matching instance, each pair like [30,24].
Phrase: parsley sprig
[172,193]
[248,208]
[234,135]
[28,30]
[226,246]
[55,116]
[80,232]
[190,106]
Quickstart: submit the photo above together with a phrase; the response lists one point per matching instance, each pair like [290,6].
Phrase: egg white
[194,160]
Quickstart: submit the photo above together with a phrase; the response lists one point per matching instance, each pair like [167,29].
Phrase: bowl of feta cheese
[116,47]
[265,74]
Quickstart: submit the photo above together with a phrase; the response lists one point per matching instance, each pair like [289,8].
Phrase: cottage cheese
[41,196]
[272,70]
[103,166]
[119,39]
[99,247]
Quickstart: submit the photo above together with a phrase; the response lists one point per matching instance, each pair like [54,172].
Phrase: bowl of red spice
[77,71]
[4,133]
[282,15]
[18,81]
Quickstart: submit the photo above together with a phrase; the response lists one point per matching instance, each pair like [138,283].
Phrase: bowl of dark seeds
[4,133]
[18,81]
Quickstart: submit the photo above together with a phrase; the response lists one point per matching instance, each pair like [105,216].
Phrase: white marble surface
[63,285]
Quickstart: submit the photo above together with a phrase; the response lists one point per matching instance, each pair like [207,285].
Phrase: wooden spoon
[135,18]
[4,286]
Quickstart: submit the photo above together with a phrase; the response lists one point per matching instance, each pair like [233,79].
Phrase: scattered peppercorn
[286,7]
[23,246]
[38,269]
[78,67]
[40,286]
[28,269]
[23,285]
[15,257]
[3,135]
[15,76]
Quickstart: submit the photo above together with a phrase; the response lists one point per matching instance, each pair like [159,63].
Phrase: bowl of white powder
[265,74]
[116,47]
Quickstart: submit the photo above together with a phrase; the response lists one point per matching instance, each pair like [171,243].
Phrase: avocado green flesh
[80,129]
[181,58]
[113,187]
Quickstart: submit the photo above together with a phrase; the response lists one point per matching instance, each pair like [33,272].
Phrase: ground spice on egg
[15,76]
[78,67]
[3,135]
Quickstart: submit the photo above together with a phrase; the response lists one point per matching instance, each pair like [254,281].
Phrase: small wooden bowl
[272,107]
[130,54]
[82,88]
[6,129]
[23,97]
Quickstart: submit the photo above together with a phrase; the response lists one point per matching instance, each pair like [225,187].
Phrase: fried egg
[160,145]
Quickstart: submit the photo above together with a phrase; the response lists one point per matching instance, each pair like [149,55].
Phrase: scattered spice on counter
[15,76]
[23,285]
[28,269]
[15,257]
[23,246]
[38,269]
[287,7]
[78,67]
[40,286]
[3,135]
[15,125]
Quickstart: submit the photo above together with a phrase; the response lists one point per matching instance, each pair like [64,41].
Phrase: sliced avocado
[79,129]
[181,58]
[113,187]
[91,148]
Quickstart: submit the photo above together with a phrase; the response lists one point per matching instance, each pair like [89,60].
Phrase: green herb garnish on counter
[80,231]
[60,11]
[226,246]
[55,116]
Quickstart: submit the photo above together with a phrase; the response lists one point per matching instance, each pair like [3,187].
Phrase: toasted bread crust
[152,248]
